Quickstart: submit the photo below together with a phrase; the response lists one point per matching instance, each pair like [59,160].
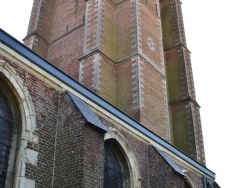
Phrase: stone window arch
[124,165]
[16,99]
[189,180]
[9,134]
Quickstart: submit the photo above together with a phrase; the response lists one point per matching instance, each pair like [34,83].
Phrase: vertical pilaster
[40,26]
[185,117]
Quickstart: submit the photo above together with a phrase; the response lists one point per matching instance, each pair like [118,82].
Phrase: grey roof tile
[88,114]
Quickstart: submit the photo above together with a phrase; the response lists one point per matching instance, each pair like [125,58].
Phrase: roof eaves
[88,114]
[170,161]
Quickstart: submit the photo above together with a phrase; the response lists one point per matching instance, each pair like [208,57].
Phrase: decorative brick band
[96,72]
[164,87]
[138,26]
[92,26]
[180,22]
[189,73]
[160,42]
[137,82]
[198,134]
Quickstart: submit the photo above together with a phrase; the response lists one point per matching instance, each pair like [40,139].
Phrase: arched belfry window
[120,166]
[9,133]
[116,170]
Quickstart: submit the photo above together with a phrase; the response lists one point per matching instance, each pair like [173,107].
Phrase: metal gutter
[17,46]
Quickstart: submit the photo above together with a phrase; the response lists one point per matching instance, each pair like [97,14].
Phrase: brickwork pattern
[170,30]
[45,99]
[98,73]
[180,22]
[181,92]
[154,170]
[198,134]
[108,29]
[153,5]
[155,111]
[139,149]
[40,25]
[126,75]
[176,76]
[107,79]
[189,73]
[92,26]
[162,174]
[69,152]
[183,130]
[87,72]
[34,17]
[67,60]
[67,16]
[79,149]
[126,40]
[150,37]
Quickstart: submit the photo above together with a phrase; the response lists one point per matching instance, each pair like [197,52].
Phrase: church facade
[100,94]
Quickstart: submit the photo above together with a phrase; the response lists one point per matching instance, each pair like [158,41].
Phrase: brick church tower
[133,53]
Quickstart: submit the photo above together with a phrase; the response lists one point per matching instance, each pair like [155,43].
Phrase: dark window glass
[116,173]
[6,125]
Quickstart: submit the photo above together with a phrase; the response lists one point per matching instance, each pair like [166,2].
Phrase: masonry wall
[64,52]
[79,149]
[45,99]
[154,170]
[162,174]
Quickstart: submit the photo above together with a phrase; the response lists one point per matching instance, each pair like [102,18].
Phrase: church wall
[69,153]
[64,52]
[154,170]
[45,100]
[161,174]
[138,147]
[67,16]
[79,149]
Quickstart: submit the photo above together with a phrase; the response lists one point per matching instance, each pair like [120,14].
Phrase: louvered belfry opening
[116,171]
[6,129]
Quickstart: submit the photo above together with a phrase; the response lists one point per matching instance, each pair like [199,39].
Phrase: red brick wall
[154,113]
[126,41]
[67,16]
[150,29]
[65,52]
[45,99]
[79,149]
[98,73]
[161,174]
[124,86]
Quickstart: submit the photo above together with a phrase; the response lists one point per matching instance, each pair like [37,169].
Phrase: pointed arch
[19,154]
[189,179]
[134,175]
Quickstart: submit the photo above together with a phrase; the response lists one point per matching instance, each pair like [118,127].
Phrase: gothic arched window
[9,116]
[116,170]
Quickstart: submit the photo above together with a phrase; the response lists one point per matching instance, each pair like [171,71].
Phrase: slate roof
[88,114]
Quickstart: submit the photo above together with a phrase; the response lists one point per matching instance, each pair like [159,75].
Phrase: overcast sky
[217,33]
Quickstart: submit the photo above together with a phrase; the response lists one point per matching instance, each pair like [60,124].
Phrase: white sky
[217,33]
